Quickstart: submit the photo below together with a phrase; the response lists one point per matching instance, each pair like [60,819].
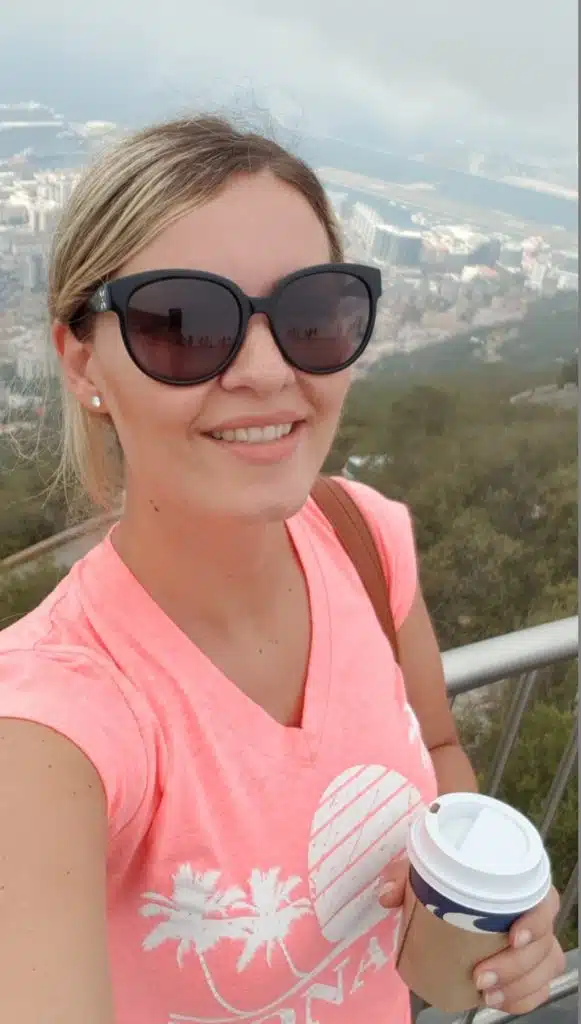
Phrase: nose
[259,364]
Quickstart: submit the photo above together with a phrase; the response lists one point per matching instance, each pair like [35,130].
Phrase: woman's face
[255,232]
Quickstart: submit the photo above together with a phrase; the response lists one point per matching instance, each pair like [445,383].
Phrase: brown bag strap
[353,531]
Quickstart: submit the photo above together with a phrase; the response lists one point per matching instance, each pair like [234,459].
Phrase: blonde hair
[124,199]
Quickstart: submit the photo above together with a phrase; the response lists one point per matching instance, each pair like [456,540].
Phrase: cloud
[479,63]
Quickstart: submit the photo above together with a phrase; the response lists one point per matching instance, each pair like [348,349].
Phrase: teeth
[254,435]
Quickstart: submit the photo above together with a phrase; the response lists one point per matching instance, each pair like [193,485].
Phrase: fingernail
[387,889]
[494,998]
[522,939]
[486,980]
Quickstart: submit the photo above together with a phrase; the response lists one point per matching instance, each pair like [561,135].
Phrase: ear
[77,365]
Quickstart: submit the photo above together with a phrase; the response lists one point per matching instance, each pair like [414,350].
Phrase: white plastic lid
[480,853]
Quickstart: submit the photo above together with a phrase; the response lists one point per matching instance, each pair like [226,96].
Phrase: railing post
[510,732]
[568,899]
[559,782]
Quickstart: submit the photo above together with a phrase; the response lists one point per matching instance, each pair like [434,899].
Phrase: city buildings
[439,273]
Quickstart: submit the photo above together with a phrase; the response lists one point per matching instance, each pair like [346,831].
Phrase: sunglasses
[186,327]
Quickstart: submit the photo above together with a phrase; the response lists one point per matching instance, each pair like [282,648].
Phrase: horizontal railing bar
[566,985]
[489,661]
[97,525]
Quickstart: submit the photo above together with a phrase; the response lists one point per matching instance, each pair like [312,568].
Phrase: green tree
[30,508]
[423,409]
[569,373]
[22,590]
[492,487]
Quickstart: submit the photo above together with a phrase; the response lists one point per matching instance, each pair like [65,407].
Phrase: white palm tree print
[273,913]
[196,915]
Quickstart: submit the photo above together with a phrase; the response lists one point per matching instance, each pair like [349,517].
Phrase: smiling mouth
[255,435]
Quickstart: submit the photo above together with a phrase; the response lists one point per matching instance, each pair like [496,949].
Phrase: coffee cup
[476,866]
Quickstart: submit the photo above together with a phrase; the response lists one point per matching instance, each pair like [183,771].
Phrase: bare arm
[421,665]
[53,838]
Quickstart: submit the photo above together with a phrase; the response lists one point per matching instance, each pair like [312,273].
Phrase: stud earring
[96,402]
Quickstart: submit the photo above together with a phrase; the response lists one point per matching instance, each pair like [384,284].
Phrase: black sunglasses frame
[114,296]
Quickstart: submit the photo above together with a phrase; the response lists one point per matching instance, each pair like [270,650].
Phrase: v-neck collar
[136,630]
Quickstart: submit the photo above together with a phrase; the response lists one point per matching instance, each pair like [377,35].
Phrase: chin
[275,505]
[282,510]
[269,501]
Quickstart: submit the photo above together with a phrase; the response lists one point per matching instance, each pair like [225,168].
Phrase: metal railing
[561,988]
[501,659]
[57,545]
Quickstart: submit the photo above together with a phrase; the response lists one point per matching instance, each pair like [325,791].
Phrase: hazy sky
[505,66]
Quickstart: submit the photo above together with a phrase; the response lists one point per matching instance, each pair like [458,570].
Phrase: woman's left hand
[517,979]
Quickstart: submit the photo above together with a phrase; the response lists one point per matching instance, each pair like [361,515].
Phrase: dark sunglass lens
[322,320]
[182,329]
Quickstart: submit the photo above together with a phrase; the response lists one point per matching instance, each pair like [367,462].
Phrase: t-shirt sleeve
[73,694]
[391,525]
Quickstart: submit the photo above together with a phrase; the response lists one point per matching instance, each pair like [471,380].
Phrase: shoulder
[51,677]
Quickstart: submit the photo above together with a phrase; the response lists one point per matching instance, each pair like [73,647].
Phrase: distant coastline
[520,201]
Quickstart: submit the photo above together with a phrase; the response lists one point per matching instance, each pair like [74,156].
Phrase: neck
[205,569]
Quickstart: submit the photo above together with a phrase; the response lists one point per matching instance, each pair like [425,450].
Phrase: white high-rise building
[55,186]
[42,215]
[365,222]
[33,270]
[396,247]
[537,275]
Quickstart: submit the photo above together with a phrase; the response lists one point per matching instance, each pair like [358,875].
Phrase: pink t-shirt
[245,857]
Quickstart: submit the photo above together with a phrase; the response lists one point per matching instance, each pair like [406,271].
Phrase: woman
[208,758]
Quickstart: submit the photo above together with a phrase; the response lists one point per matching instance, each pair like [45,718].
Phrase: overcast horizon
[492,73]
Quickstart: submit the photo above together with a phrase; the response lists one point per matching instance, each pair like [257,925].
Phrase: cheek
[130,401]
[148,414]
[327,394]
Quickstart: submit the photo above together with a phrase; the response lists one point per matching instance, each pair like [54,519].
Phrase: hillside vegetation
[540,343]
